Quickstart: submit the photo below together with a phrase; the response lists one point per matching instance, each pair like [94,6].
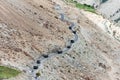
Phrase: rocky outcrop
[110,9]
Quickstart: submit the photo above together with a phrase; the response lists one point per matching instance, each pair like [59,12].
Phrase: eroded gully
[37,64]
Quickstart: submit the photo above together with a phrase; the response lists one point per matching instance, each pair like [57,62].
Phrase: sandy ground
[111,29]
[26,33]
[107,26]
[95,56]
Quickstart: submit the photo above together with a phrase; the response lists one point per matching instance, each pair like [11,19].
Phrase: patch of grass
[6,72]
[82,6]
[85,7]
[71,1]
[38,74]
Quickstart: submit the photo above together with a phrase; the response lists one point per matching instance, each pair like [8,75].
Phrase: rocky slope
[25,35]
[30,28]
[110,9]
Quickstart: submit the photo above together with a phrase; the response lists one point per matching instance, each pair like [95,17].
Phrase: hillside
[110,9]
[51,40]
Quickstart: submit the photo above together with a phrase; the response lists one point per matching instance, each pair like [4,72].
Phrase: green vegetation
[82,6]
[85,7]
[38,74]
[6,72]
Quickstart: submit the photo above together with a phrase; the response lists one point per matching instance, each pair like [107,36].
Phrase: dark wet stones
[38,62]
[70,27]
[103,1]
[74,32]
[45,56]
[72,41]
[68,47]
[59,52]
[35,67]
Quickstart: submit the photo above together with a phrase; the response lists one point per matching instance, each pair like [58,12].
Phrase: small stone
[72,41]
[38,62]
[70,27]
[35,67]
[45,56]
[68,47]
[74,32]
[59,52]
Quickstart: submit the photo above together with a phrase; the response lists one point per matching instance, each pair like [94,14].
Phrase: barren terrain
[31,28]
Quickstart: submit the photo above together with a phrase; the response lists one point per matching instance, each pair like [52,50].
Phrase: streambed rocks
[59,52]
[74,48]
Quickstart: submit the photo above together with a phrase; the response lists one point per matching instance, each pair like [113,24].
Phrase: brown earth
[29,28]
[26,33]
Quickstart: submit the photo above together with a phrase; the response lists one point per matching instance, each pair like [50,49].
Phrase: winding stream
[44,57]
